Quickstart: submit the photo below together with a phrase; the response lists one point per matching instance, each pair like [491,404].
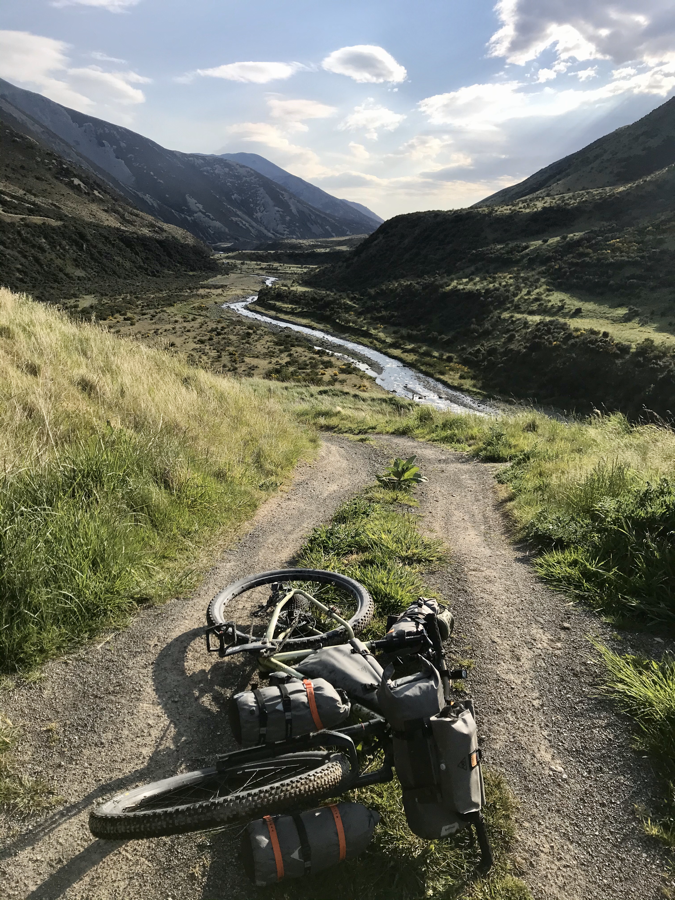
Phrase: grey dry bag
[436,754]
[286,710]
[347,670]
[290,846]
[412,620]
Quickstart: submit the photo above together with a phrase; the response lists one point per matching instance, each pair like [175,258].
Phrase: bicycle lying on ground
[297,748]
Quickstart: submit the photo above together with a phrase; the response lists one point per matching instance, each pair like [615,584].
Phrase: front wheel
[212,797]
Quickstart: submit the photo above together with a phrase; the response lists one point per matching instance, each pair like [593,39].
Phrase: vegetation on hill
[118,463]
[63,232]
[564,300]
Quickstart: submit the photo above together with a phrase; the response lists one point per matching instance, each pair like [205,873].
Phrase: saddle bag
[290,846]
[287,710]
[412,620]
[347,670]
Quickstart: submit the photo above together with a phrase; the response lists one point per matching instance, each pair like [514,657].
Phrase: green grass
[644,689]
[595,496]
[375,539]
[19,794]
[122,470]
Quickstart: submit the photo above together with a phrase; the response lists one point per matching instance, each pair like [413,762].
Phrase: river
[391,374]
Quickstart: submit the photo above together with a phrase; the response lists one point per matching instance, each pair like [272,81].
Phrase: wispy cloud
[43,64]
[371,118]
[251,72]
[365,63]
[292,114]
[115,6]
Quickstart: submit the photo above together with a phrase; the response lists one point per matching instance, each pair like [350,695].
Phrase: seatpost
[435,635]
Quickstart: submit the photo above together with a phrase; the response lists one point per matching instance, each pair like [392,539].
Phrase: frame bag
[287,710]
[290,846]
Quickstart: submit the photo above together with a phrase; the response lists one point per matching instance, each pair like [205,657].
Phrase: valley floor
[149,701]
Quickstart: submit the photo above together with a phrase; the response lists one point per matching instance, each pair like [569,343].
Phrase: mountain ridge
[217,200]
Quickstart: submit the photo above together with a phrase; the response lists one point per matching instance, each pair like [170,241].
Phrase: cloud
[365,63]
[301,158]
[251,72]
[358,150]
[103,57]
[42,64]
[110,5]
[486,106]
[620,30]
[370,118]
[292,114]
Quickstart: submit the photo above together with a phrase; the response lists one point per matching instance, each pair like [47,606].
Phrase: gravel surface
[564,751]
[148,702]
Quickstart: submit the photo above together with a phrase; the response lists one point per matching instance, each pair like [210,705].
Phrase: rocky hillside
[625,155]
[64,232]
[356,214]
[217,200]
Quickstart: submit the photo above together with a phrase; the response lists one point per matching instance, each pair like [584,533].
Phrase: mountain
[217,200]
[625,155]
[365,211]
[561,296]
[64,232]
[357,215]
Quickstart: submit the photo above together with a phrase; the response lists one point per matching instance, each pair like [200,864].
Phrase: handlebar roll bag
[412,620]
[287,710]
[345,669]
[291,846]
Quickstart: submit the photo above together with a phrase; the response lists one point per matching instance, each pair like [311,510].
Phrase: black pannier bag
[413,619]
[347,670]
[436,754]
[286,710]
[290,846]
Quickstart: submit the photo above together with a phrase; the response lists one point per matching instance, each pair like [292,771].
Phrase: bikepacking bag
[290,846]
[347,670]
[412,620]
[287,710]
[436,753]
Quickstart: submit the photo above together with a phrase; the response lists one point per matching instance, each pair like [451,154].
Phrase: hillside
[565,299]
[217,200]
[64,232]
[625,155]
[358,216]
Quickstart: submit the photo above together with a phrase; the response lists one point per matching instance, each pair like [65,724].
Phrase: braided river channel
[390,374]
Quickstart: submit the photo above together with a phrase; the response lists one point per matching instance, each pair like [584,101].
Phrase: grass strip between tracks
[375,539]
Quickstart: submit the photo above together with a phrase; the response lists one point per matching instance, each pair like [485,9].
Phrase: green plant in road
[401,475]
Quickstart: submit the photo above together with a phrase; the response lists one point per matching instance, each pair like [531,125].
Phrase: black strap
[287,704]
[304,843]
[262,713]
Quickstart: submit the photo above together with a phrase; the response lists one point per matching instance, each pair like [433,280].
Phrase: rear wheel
[300,624]
[212,797]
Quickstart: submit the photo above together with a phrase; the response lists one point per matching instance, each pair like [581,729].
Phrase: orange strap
[274,838]
[309,687]
[340,831]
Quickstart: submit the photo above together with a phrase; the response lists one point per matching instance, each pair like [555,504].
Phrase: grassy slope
[374,538]
[556,298]
[118,462]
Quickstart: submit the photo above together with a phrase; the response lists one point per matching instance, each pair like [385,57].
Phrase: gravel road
[148,702]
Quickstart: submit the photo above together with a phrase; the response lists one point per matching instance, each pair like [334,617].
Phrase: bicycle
[274,777]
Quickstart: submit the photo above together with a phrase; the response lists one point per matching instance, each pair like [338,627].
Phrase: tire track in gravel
[144,704]
[148,702]
[564,751]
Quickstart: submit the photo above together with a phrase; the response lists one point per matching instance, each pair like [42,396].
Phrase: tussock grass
[644,689]
[374,538]
[117,462]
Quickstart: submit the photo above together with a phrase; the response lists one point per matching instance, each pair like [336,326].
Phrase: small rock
[565,626]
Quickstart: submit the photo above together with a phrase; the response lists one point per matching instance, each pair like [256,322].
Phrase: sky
[398,105]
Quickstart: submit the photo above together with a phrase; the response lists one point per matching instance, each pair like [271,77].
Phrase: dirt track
[148,701]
